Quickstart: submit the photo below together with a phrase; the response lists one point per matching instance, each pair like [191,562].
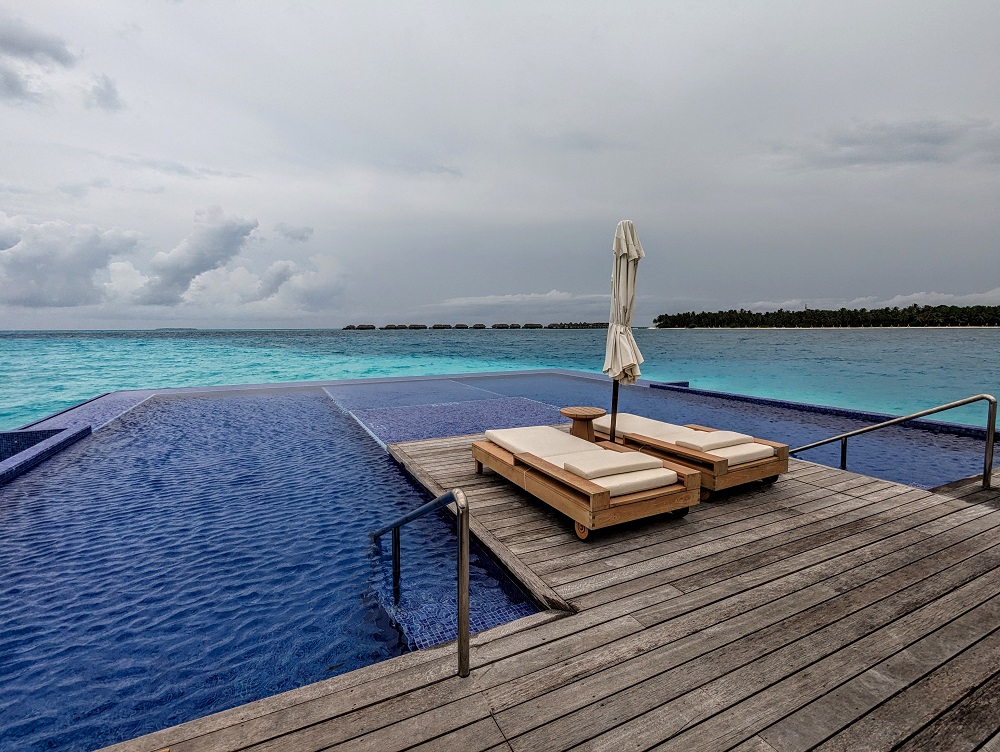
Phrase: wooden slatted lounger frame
[716,474]
[589,505]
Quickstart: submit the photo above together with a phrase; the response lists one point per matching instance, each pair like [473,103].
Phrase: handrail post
[462,515]
[991,429]
[843,453]
[462,522]
[395,564]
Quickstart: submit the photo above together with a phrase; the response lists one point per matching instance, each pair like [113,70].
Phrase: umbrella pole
[614,410]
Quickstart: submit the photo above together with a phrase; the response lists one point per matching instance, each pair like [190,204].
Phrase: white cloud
[125,280]
[55,263]
[240,286]
[214,242]
[988,298]
[226,288]
[521,299]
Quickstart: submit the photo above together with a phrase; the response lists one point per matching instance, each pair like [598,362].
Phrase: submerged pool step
[427,615]
[22,450]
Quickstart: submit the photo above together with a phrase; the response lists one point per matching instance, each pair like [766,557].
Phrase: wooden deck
[829,611]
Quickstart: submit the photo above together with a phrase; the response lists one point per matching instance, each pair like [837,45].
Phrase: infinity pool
[203,552]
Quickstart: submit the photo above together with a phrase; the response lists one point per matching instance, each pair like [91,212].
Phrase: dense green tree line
[914,315]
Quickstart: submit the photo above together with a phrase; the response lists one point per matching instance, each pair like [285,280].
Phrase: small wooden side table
[583,420]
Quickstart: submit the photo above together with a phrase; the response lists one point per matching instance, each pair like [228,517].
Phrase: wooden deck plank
[732,707]
[481,736]
[892,722]
[830,713]
[652,543]
[752,714]
[854,551]
[778,547]
[651,676]
[964,726]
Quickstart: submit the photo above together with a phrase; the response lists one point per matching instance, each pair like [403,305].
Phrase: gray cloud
[13,85]
[210,246]
[277,274]
[901,143]
[298,234]
[417,167]
[24,56]
[56,264]
[19,41]
[78,190]
[578,141]
[521,299]
[543,308]
[104,94]
[9,236]
[884,181]
[172,167]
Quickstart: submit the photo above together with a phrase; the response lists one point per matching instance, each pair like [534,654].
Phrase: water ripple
[201,553]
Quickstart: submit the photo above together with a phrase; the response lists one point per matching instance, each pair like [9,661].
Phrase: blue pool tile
[414,422]
[395,394]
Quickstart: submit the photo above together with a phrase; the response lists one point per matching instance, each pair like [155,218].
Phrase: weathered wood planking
[830,611]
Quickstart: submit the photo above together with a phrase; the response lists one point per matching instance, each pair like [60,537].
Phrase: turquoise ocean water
[893,371]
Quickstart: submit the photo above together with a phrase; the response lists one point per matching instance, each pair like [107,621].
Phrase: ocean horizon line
[429,328]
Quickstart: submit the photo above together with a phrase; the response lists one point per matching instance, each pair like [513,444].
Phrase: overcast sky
[279,164]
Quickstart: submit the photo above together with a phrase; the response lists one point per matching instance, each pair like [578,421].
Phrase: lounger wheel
[582,531]
[769,480]
[705,494]
[682,512]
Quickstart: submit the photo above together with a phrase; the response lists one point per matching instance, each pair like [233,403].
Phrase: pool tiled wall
[22,450]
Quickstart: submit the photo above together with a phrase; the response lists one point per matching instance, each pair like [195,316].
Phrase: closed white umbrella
[622,357]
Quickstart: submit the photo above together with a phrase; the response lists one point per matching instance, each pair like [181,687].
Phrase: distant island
[913,315]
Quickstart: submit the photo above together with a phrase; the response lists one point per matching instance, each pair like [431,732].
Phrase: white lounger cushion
[541,441]
[737,455]
[707,441]
[735,448]
[603,462]
[640,474]
[640,480]
[558,447]
[629,423]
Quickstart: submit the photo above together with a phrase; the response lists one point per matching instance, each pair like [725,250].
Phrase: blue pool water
[394,411]
[896,371]
[203,552]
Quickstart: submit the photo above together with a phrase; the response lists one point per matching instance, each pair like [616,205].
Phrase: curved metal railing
[456,496]
[991,429]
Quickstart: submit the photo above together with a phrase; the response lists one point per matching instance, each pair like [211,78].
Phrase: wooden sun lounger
[589,505]
[716,474]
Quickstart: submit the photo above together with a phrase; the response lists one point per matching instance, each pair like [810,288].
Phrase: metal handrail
[456,496]
[991,428]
